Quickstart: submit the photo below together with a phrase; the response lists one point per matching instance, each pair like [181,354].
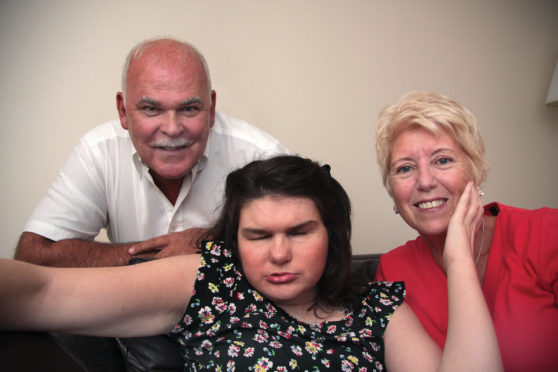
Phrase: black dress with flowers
[229,326]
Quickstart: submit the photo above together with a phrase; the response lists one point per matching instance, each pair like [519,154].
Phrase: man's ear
[212,110]
[121,107]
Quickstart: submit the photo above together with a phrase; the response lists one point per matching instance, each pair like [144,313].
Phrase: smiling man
[154,178]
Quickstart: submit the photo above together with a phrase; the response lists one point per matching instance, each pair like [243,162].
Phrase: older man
[154,178]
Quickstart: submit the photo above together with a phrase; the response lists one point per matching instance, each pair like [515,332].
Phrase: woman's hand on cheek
[463,225]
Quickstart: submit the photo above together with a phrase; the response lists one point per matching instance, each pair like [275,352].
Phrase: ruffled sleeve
[378,305]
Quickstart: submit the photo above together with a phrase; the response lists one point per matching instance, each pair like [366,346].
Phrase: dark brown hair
[295,176]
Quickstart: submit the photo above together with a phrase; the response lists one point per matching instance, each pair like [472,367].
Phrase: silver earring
[395,210]
[481,193]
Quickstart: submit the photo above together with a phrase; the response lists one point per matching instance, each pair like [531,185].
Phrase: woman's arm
[471,340]
[137,300]
[408,347]
[471,343]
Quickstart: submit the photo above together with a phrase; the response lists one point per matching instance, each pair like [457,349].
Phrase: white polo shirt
[104,183]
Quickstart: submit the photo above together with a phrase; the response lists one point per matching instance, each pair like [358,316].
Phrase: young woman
[278,295]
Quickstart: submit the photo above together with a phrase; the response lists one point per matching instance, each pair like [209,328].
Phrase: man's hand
[172,244]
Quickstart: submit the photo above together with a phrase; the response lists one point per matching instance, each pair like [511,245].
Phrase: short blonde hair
[433,112]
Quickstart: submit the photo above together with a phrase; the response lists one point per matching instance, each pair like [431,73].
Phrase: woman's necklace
[481,243]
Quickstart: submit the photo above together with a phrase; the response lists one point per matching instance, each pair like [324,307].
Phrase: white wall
[313,73]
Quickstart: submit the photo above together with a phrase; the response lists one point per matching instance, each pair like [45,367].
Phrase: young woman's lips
[281,278]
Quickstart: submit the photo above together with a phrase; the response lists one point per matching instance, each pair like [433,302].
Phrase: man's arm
[42,251]
[39,250]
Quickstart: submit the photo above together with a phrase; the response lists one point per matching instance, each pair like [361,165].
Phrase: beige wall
[312,73]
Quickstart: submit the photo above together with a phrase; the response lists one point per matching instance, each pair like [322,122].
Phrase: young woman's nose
[280,250]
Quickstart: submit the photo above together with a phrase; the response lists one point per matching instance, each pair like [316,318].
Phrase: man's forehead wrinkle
[191,100]
[154,102]
[149,100]
[166,76]
[158,57]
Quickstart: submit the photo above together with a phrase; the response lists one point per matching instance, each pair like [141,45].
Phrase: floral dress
[229,326]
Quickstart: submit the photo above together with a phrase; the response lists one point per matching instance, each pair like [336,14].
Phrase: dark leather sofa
[46,352]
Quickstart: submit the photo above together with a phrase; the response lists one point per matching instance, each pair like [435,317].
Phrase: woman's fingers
[474,210]
[462,211]
[464,222]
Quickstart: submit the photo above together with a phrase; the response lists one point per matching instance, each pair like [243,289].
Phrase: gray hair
[142,47]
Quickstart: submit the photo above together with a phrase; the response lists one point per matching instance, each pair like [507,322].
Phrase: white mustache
[173,143]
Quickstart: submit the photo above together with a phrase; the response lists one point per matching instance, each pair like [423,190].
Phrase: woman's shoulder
[380,294]
[520,221]
[378,303]
[380,287]
[214,251]
[508,211]
[217,263]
